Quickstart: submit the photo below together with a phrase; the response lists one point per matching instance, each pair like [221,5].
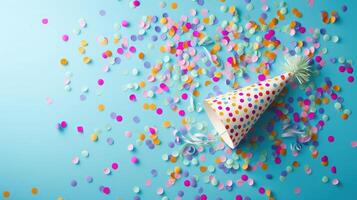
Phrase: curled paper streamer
[197,139]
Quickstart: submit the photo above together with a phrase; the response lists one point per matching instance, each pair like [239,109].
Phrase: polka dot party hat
[233,114]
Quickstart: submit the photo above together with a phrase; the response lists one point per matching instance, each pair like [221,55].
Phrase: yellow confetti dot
[87,60]
[174,5]
[163,20]
[153,136]
[64,61]
[101,107]
[84,43]
[156,141]
[60,198]
[152,106]
[34,191]
[184,121]
[177,170]
[81,50]
[166,124]
[94,137]
[6,194]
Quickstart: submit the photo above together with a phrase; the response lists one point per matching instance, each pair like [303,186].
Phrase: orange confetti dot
[264,166]
[34,191]
[141,136]
[174,5]
[101,107]
[152,106]
[146,106]
[203,169]
[296,164]
[141,55]
[166,124]
[196,93]
[344,116]
[64,61]
[6,194]
[142,84]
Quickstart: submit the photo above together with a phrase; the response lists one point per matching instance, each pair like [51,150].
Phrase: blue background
[34,154]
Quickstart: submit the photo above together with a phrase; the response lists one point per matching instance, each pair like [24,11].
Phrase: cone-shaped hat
[233,114]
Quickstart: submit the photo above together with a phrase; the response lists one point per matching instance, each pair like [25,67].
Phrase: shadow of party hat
[233,114]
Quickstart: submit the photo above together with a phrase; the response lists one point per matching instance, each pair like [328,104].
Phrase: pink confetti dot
[132,49]
[134,160]
[182,113]
[100,82]
[159,111]
[350,79]
[80,129]
[239,197]
[330,138]
[318,58]
[164,87]
[261,190]
[341,68]
[132,97]
[63,124]
[120,50]
[115,165]
[203,197]
[187,183]
[277,160]
[125,23]
[106,190]
[215,79]
[44,21]
[184,96]
[297,190]
[349,70]
[65,37]
[119,118]
[261,77]
[136,3]
[333,169]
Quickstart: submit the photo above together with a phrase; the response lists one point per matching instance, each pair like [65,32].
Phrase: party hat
[233,114]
